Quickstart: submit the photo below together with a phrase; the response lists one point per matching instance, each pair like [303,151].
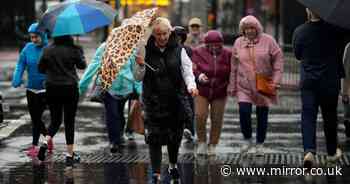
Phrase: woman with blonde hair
[167,81]
[254,52]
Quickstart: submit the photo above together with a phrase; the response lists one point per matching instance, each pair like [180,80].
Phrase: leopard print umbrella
[121,42]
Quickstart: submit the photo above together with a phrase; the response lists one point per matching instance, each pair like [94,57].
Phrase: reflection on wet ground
[283,148]
[140,173]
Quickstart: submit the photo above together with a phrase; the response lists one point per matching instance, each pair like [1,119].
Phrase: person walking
[115,98]
[189,132]
[59,62]
[254,52]
[35,89]
[319,47]
[212,69]
[166,80]
[346,90]
[195,36]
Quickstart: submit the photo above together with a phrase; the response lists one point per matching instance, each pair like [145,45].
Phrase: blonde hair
[162,21]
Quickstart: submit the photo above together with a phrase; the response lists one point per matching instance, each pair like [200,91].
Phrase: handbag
[97,93]
[135,118]
[264,83]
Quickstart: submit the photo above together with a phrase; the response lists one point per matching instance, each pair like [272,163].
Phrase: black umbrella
[333,11]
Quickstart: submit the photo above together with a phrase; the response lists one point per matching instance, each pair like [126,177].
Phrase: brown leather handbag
[264,83]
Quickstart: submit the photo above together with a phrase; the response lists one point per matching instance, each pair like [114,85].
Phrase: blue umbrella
[76,17]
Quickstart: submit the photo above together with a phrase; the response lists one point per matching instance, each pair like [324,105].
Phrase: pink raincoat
[269,61]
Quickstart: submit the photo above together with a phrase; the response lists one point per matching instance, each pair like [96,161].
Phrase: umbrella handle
[150,67]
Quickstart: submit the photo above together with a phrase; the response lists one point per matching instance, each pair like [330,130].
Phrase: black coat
[319,47]
[164,94]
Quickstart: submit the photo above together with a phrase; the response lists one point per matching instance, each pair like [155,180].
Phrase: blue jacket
[123,85]
[28,60]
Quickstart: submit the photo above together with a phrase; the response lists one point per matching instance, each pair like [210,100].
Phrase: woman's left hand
[194,92]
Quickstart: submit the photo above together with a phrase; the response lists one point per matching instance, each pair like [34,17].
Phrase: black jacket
[59,63]
[162,87]
[319,47]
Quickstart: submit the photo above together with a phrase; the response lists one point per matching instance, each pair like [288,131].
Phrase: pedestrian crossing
[283,135]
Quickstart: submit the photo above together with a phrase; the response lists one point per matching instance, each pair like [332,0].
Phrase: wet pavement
[131,164]
[283,148]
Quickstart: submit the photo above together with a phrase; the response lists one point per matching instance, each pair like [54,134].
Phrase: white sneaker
[247,144]
[130,136]
[259,150]
[188,135]
[211,149]
[202,148]
[309,160]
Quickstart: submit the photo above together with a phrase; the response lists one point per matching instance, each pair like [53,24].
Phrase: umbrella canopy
[121,43]
[76,17]
[335,12]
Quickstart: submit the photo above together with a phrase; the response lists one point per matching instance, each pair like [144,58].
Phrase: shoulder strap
[251,51]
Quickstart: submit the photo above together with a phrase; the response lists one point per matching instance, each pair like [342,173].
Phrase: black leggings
[63,100]
[155,151]
[36,106]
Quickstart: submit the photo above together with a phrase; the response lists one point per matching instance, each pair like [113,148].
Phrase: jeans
[245,119]
[328,101]
[115,119]
[191,124]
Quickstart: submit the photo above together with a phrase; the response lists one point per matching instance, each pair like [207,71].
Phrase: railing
[291,73]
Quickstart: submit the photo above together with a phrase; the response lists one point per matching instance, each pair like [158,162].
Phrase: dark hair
[63,40]
[181,32]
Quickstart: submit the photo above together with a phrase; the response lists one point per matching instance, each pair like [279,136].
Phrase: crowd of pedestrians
[182,79]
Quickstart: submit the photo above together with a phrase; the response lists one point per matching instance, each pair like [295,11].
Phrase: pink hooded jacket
[269,61]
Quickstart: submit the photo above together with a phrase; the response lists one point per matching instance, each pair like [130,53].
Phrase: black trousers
[36,104]
[155,151]
[311,101]
[63,102]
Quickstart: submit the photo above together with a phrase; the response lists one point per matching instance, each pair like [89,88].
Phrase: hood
[213,37]
[34,29]
[250,21]
[195,21]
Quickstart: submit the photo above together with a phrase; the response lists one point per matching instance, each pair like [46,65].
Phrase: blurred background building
[279,17]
